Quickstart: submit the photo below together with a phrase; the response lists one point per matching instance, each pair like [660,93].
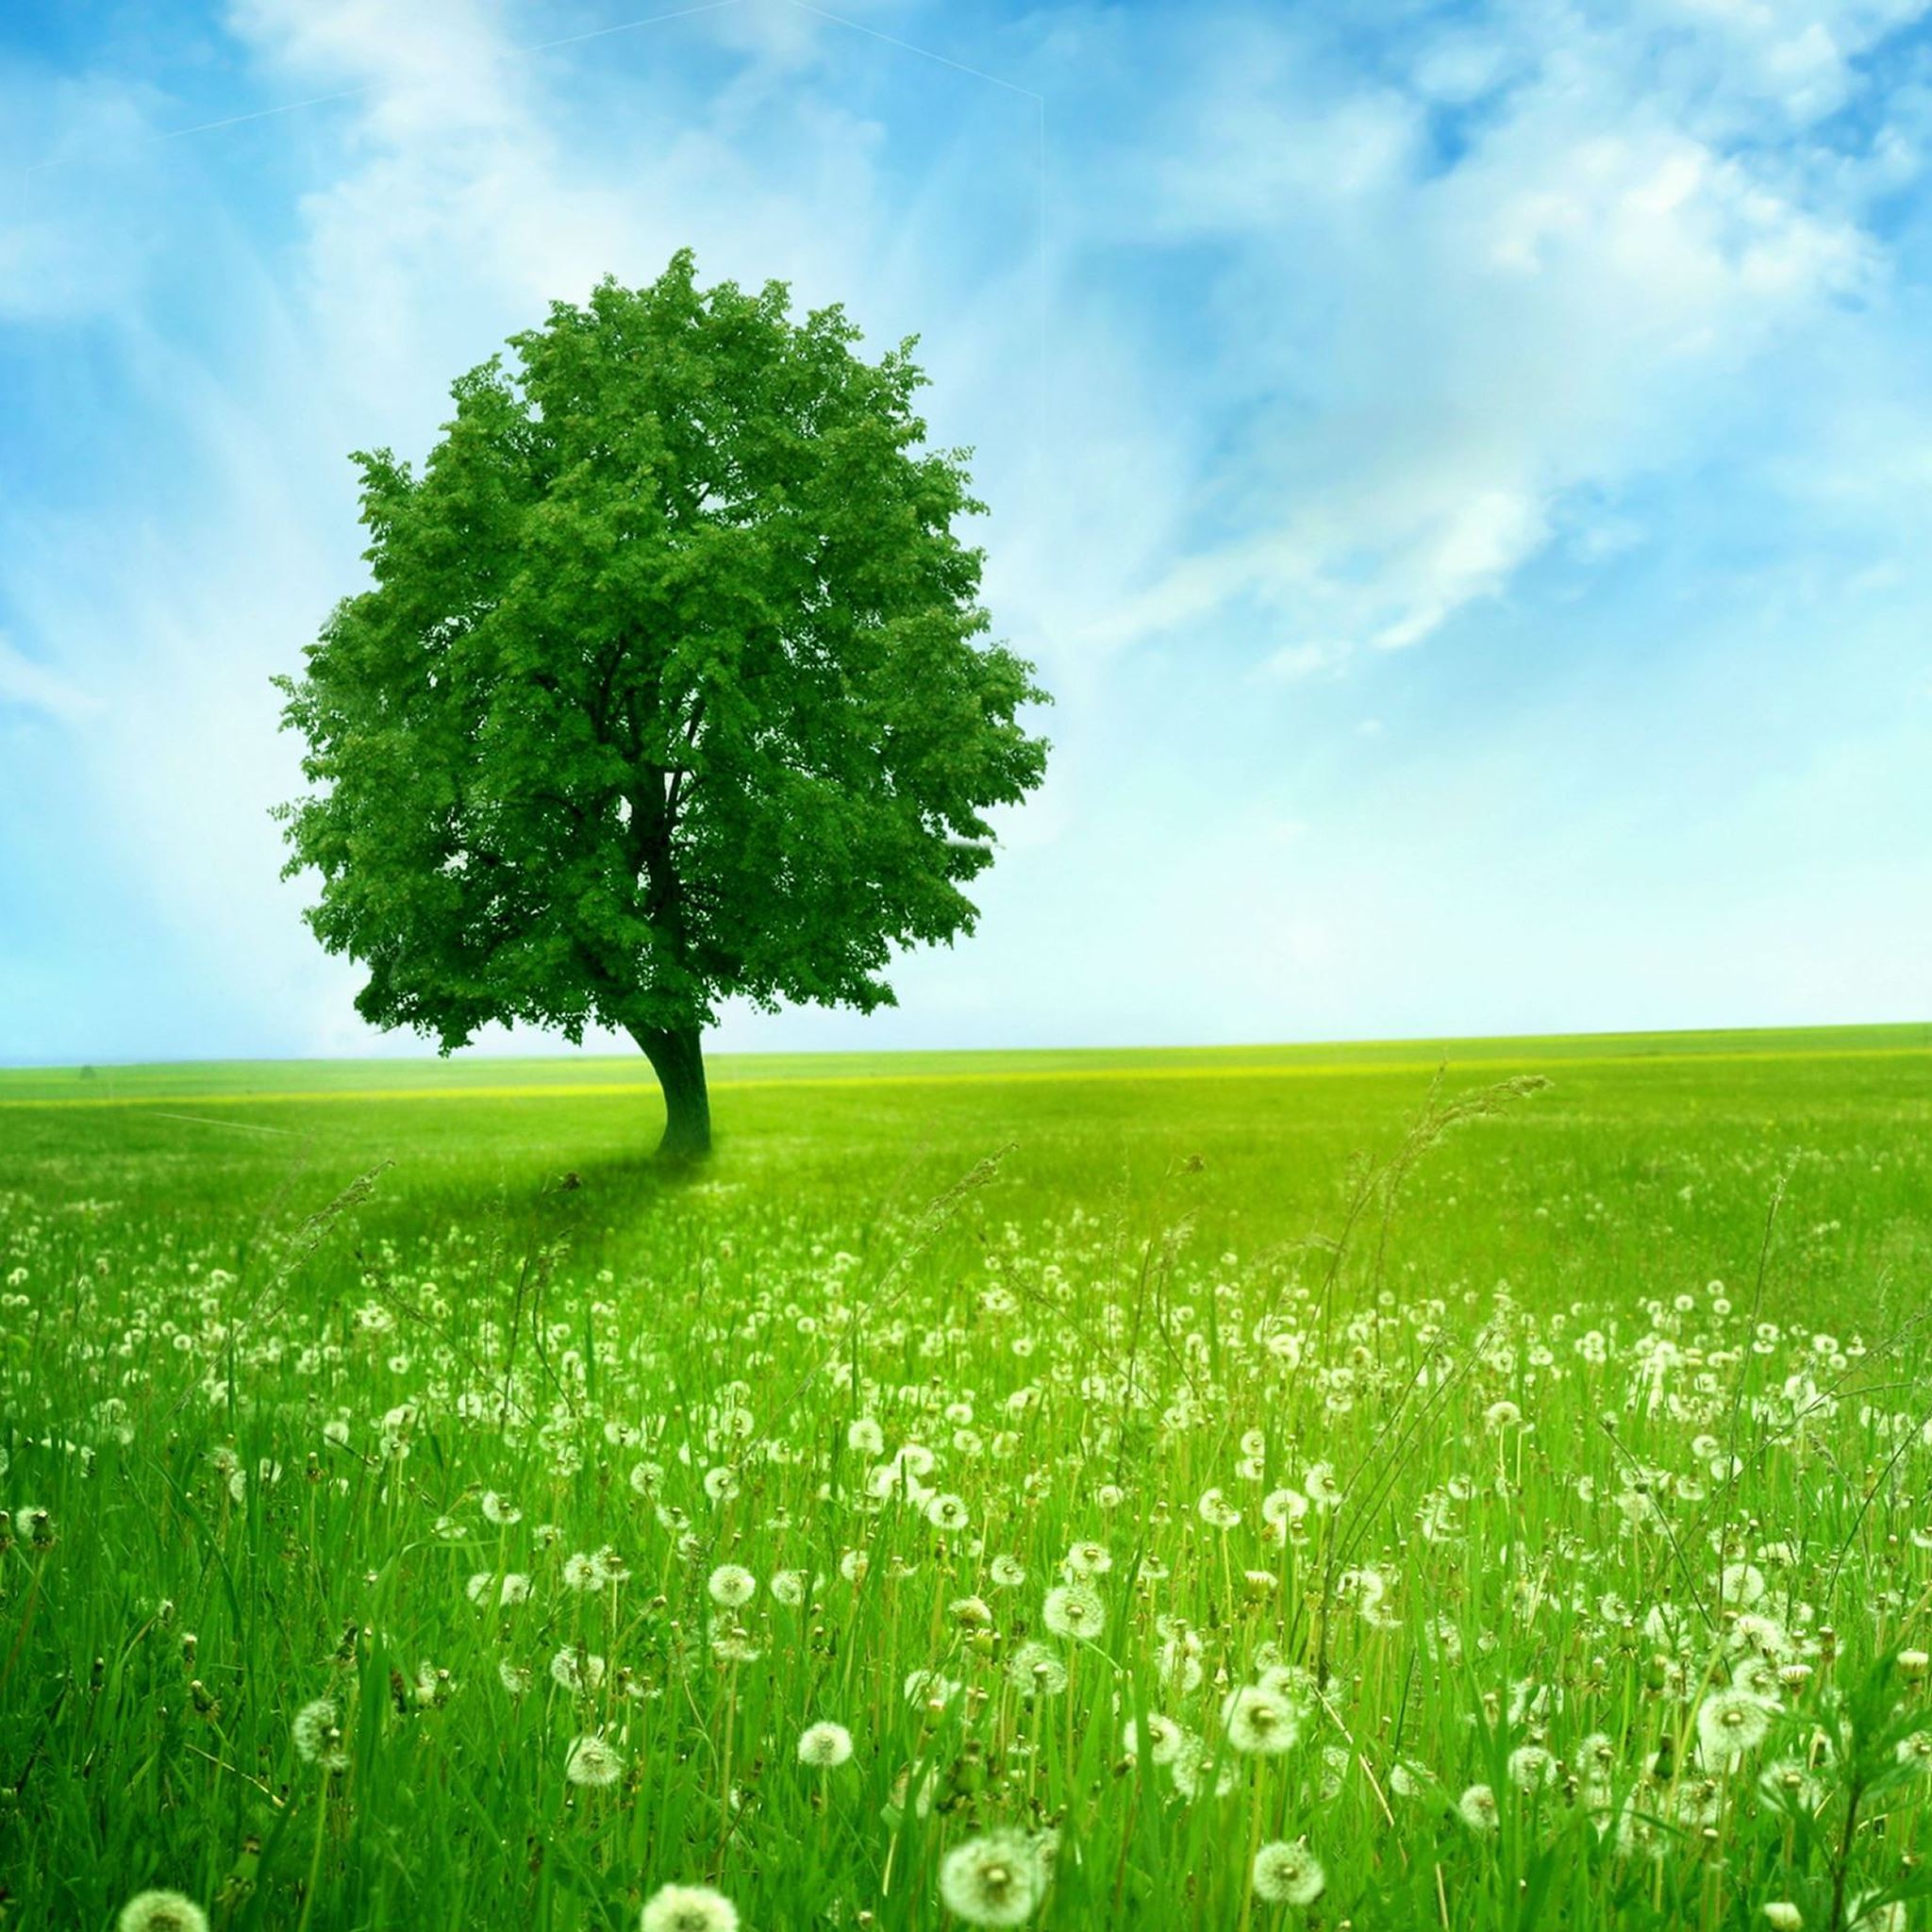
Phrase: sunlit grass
[1143,1470]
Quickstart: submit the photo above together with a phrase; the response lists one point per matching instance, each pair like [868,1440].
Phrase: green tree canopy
[670,687]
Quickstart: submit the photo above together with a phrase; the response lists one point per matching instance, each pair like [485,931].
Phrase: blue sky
[1465,472]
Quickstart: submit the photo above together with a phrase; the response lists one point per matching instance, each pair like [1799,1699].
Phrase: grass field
[1469,1485]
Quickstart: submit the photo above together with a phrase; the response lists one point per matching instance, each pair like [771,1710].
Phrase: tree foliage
[669,686]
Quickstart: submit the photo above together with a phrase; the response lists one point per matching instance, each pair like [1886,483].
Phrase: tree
[669,688]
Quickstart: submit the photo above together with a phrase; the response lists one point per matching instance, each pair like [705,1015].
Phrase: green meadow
[1461,1484]
[1639,1140]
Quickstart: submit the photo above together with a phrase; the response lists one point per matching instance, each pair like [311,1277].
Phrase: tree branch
[676,790]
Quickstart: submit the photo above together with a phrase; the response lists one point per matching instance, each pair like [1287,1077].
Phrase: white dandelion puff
[995,1880]
[732,1585]
[593,1761]
[1323,1491]
[824,1745]
[576,1669]
[1037,1669]
[1258,1721]
[1282,1509]
[1287,1875]
[1216,1511]
[931,1688]
[583,1573]
[1731,1721]
[1075,1610]
[1189,1766]
[1478,1809]
[161,1911]
[689,1908]
[1163,1738]
[317,1732]
[1868,1912]
[1741,1584]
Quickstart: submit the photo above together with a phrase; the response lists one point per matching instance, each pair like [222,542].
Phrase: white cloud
[1294,661]
[75,233]
[37,688]
[1433,358]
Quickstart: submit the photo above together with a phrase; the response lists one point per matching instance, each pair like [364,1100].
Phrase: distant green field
[1629,1122]
[257,1078]
[1468,1484]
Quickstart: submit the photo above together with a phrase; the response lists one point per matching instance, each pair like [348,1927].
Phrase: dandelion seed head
[1037,1669]
[1075,1610]
[1281,1508]
[995,1880]
[1258,1721]
[594,1762]
[1478,1809]
[161,1911]
[583,1573]
[576,1669]
[1163,1738]
[732,1585]
[1867,1913]
[1216,1511]
[1731,1720]
[824,1745]
[688,1909]
[1287,1875]
[316,1731]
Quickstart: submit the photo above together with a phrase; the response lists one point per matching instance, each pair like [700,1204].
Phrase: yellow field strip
[578,1090]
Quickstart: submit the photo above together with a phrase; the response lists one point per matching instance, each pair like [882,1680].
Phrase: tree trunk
[677,1057]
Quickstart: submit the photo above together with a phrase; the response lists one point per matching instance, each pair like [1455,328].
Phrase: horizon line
[565,1052]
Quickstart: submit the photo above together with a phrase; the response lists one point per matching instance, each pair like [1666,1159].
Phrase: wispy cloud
[1455,291]
[36,688]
